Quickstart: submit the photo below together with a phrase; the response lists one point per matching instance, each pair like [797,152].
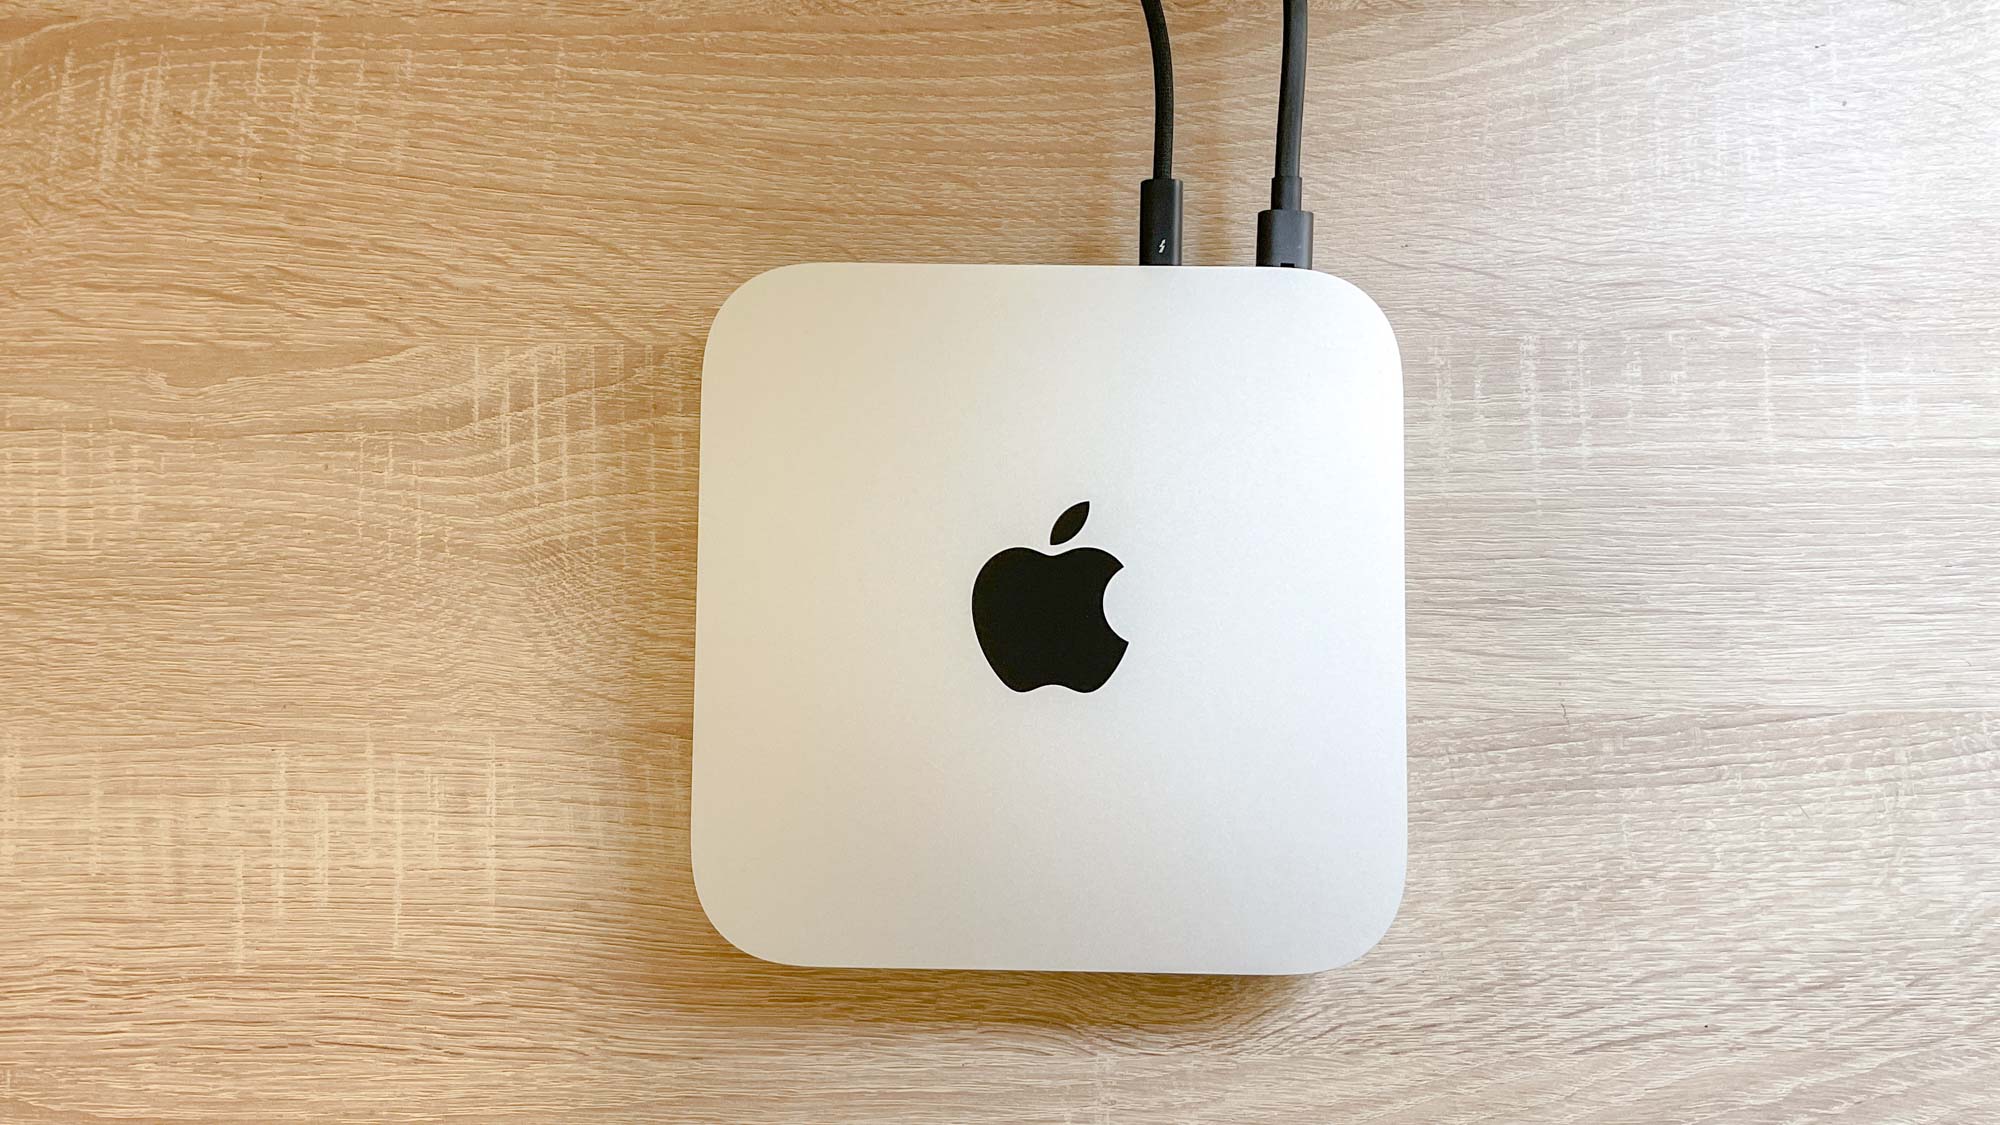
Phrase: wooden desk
[348,417]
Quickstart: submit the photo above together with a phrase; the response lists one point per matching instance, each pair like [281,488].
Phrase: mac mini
[1050,617]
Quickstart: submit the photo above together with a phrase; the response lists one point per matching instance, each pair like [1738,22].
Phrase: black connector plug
[1160,222]
[1285,232]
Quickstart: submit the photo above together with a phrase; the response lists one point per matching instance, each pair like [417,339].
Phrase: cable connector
[1285,232]
[1160,222]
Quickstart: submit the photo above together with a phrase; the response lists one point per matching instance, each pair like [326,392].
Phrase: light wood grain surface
[349,371]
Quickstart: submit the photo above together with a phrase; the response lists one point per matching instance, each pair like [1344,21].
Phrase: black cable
[1163,90]
[1291,101]
[1160,196]
[1284,233]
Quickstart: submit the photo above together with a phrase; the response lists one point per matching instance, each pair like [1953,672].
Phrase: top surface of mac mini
[1050,617]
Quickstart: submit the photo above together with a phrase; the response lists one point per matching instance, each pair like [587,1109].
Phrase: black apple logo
[1040,618]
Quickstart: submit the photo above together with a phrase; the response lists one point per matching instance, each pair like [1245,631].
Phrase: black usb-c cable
[1160,197]
[1285,232]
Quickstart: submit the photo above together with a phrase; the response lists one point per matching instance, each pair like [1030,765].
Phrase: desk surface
[348,383]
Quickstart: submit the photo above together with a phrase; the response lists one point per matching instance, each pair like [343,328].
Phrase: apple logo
[1040,618]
